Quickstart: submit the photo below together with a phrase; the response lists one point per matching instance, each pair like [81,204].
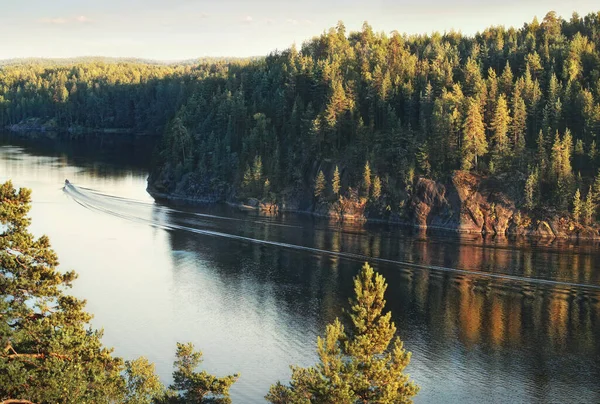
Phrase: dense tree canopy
[424,104]
[99,94]
[409,105]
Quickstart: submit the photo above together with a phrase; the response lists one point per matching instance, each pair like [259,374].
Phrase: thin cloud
[80,19]
[293,21]
[56,21]
[247,19]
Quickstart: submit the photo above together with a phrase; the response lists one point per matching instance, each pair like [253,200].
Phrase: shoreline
[362,219]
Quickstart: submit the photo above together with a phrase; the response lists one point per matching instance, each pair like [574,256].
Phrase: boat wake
[161,217]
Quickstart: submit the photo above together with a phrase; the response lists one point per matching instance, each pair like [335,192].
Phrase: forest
[361,115]
[352,117]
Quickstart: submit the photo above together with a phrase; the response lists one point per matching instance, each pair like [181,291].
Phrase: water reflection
[530,337]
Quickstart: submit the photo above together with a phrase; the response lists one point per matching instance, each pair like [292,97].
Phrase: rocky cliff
[465,203]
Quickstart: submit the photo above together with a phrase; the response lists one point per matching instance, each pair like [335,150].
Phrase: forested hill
[366,116]
[98,93]
[497,129]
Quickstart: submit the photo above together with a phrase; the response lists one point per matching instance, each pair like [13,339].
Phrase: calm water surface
[486,320]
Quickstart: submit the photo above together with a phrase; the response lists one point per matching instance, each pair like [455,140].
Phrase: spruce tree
[518,128]
[532,189]
[474,143]
[577,206]
[335,182]
[319,184]
[367,178]
[589,207]
[358,366]
[500,125]
[376,188]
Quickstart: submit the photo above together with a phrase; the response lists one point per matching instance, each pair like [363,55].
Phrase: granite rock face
[465,203]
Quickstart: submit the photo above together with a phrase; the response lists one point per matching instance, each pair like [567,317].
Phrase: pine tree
[474,143]
[358,366]
[190,386]
[257,169]
[367,178]
[577,206]
[596,188]
[593,152]
[48,351]
[335,182]
[532,190]
[143,385]
[500,125]
[376,188]
[589,207]
[319,184]
[506,80]
[518,128]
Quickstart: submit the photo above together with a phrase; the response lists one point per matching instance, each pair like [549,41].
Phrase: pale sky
[186,29]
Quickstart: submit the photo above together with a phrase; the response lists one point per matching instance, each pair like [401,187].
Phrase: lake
[487,320]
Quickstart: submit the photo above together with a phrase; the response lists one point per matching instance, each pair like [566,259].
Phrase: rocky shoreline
[465,204]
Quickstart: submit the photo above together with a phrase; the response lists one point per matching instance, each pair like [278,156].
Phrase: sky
[173,30]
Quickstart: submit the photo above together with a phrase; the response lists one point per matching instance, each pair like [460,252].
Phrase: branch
[15,401]
[38,356]
[16,355]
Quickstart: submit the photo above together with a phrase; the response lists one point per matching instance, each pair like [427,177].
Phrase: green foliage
[589,207]
[197,387]
[319,185]
[97,94]
[437,102]
[532,190]
[143,386]
[367,178]
[359,366]
[577,206]
[376,188]
[474,143]
[499,126]
[48,352]
[335,182]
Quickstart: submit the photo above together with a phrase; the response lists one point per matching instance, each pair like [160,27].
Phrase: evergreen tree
[319,185]
[506,80]
[143,385]
[577,206]
[190,387]
[532,190]
[49,354]
[474,143]
[358,366]
[499,127]
[376,188]
[518,128]
[335,182]
[589,207]
[367,178]
[593,152]
[596,188]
